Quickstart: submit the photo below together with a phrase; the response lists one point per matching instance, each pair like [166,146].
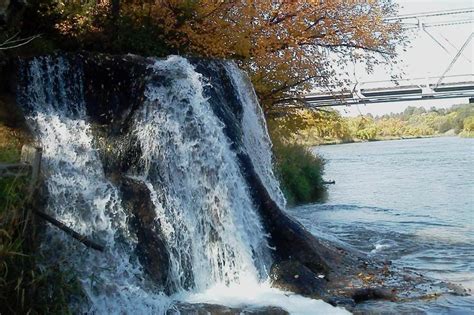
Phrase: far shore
[388,138]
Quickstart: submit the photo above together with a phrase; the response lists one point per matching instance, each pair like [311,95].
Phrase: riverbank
[388,138]
[312,127]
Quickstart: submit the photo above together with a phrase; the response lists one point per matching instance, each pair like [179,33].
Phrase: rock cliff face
[114,90]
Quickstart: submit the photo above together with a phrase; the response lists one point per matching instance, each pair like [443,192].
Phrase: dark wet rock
[345,302]
[269,310]
[213,309]
[291,275]
[223,98]
[365,294]
[113,88]
[151,249]
[289,237]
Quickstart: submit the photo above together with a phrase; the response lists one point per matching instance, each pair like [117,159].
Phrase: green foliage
[468,124]
[468,128]
[300,173]
[9,154]
[307,126]
[310,127]
[88,25]
[24,287]
[142,39]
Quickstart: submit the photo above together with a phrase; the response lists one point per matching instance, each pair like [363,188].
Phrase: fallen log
[81,238]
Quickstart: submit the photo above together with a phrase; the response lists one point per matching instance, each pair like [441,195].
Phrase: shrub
[300,173]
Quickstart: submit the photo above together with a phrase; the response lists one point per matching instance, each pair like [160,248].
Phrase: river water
[409,201]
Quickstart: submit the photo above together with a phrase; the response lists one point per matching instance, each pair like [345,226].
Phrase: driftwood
[81,238]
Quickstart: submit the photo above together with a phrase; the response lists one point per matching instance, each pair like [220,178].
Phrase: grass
[300,173]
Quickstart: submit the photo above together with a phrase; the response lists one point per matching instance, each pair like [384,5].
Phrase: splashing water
[210,223]
[256,140]
[80,196]
[217,246]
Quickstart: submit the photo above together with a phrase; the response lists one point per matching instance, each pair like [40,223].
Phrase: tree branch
[11,44]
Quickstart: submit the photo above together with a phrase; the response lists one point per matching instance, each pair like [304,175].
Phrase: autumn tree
[286,46]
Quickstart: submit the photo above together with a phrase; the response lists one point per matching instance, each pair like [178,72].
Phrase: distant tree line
[311,127]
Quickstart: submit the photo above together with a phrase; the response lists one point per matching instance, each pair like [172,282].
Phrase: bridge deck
[393,94]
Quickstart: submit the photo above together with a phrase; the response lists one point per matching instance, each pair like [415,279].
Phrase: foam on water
[262,295]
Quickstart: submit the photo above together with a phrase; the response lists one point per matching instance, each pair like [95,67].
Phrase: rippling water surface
[410,201]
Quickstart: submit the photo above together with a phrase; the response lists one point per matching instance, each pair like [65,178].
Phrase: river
[409,201]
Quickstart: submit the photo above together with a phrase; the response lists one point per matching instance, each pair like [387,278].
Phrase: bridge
[410,90]
[443,86]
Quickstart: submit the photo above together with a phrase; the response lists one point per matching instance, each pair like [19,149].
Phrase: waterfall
[80,196]
[212,230]
[203,209]
[256,139]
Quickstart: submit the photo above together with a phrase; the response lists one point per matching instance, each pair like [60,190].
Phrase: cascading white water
[256,140]
[216,243]
[212,230]
[80,196]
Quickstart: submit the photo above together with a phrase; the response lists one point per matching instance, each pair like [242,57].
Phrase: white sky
[424,57]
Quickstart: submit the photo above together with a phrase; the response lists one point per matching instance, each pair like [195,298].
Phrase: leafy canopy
[286,46]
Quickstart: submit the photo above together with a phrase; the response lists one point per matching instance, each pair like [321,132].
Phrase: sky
[424,57]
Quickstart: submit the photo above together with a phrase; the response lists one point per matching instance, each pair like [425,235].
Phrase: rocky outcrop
[294,245]
[292,275]
[114,88]
[151,249]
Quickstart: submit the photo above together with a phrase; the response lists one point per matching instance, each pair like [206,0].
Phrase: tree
[286,46]
[469,124]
